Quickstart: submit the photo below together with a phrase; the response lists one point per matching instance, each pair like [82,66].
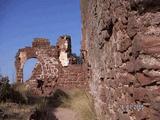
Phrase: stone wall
[57,67]
[121,49]
[73,76]
[46,55]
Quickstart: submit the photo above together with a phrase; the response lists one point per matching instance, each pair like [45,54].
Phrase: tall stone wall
[121,49]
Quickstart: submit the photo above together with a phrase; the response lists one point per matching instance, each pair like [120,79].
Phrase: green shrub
[9,93]
[5,89]
[21,92]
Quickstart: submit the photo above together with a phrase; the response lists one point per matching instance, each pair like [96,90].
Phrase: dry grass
[41,104]
[16,108]
[24,91]
[81,102]
[16,111]
[21,88]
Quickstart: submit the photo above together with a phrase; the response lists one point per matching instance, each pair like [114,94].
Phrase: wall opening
[28,68]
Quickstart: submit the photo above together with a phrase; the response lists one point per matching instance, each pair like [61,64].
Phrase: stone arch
[32,69]
[47,56]
[22,56]
[56,64]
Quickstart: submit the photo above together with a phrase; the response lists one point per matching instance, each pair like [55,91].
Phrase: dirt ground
[65,114]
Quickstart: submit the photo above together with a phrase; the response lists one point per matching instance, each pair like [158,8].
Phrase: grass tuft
[81,102]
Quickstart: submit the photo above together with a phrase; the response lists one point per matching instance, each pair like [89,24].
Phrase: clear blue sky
[23,20]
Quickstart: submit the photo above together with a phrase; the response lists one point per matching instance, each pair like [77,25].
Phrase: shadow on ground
[48,106]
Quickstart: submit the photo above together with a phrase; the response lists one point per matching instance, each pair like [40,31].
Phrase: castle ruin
[56,66]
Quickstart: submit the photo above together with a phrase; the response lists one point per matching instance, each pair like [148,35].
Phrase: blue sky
[23,20]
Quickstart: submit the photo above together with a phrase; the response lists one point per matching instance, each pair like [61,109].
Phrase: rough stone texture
[121,48]
[47,56]
[64,44]
[56,67]
[73,75]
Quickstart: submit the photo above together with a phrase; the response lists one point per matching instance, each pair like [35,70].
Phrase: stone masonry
[121,48]
[56,66]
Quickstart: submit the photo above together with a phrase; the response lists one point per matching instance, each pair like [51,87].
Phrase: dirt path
[65,114]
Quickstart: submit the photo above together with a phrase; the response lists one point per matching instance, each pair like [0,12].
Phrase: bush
[8,93]
[21,93]
[5,89]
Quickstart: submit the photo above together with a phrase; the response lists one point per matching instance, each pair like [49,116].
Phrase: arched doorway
[47,56]
[29,69]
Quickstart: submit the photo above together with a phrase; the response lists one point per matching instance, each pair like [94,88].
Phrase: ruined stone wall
[57,67]
[121,49]
[73,76]
[46,55]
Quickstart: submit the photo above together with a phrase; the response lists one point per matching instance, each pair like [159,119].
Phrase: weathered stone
[126,78]
[152,73]
[144,80]
[123,41]
[56,65]
[129,62]
[64,45]
[132,27]
[149,62]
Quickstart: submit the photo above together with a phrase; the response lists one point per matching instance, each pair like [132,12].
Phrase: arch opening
[30,69]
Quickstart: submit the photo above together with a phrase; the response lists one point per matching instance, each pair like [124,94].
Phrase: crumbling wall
[57,67]
[64,44]
[121,49]
[46,56]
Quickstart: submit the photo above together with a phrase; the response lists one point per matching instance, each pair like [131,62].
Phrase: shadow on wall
[143,6]
[78,58]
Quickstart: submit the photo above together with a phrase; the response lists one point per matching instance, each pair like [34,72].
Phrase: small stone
[146,104]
